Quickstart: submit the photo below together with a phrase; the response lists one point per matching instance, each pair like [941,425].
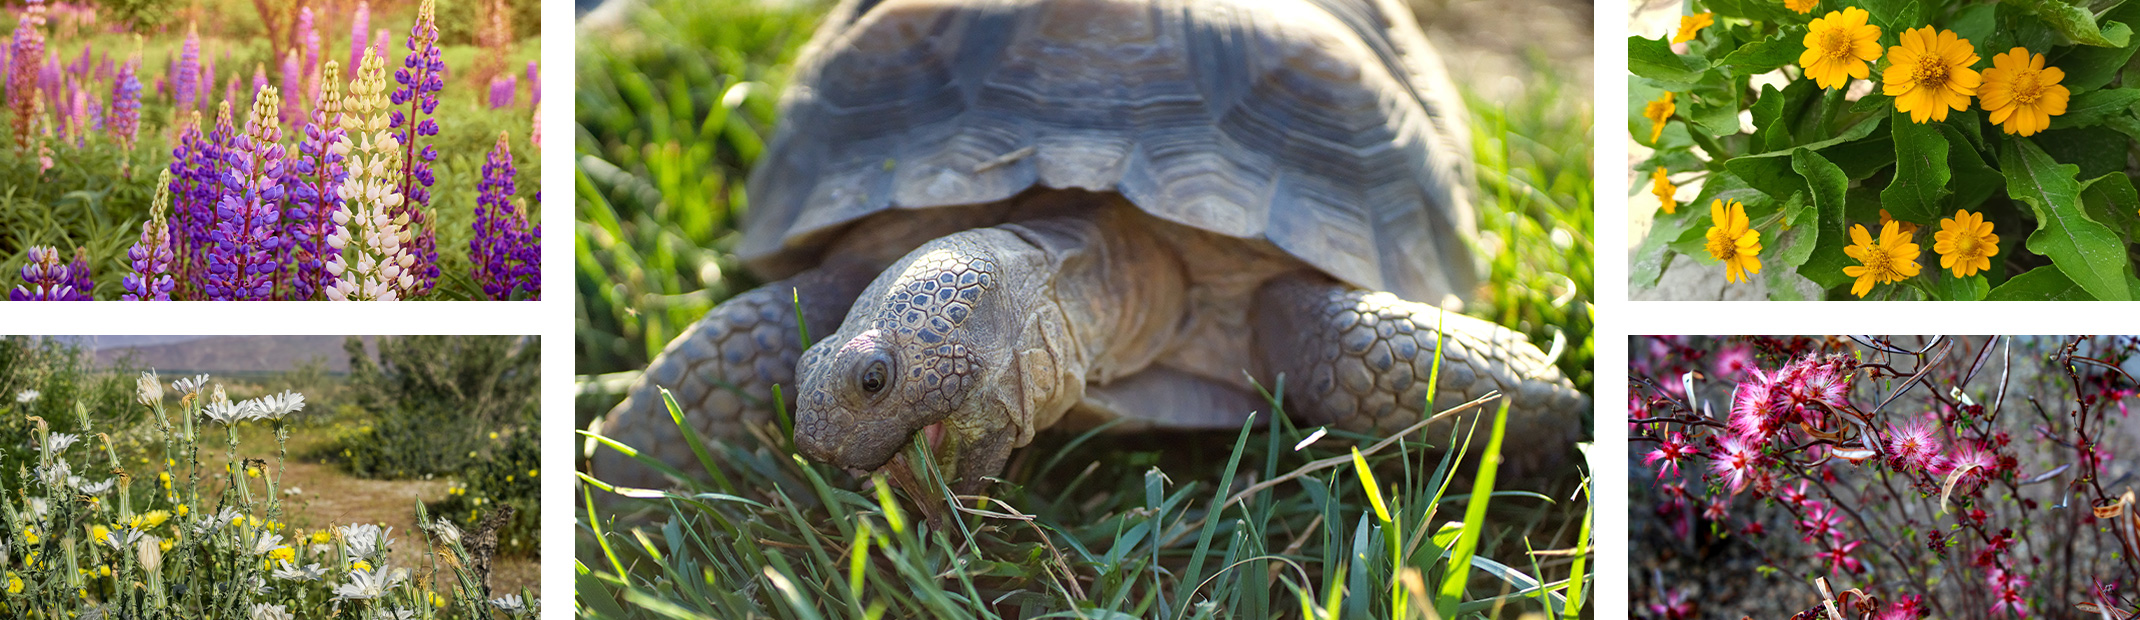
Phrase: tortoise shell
[1327,128]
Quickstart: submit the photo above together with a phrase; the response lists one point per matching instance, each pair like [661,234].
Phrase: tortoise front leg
[1360,360]
[723,368]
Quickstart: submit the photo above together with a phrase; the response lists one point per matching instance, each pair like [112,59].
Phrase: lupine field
[271,150]
[134,495]
[1888,477]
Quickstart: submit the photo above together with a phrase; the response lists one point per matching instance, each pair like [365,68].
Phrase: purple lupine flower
[151,256]
[503,250]
[241,265]
[185,77]
[78,276]
[292,83]
[534,84]
[360,22]
[199,166]
[421,78]
[126,107]
[315,178]
[27,53]
[501,90]
[44,278]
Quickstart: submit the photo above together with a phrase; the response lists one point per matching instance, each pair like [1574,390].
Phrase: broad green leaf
[2089,67]
[2085,250]
[2044,283]
[2076,22]
[2096,152]
[1945,287]
[2125,124]
[1791,241]
[1653,59]
[1713,104]
[1921,171]
[1770,133]
[1974,180]
[1767,54]
[2111,199]
[1859,160]
[1975,23]
[1824,178]
[2093,107]
[1640,92]
[1825,265]
[1894,16]
[1771,172]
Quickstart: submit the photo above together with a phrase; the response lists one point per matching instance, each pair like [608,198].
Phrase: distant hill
[220,354]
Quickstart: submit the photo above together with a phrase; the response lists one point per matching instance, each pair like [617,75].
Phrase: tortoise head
[924,355]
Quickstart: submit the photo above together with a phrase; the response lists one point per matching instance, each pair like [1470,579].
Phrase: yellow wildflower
[165,545]
[14,583]
[104,570]
[361,565]
[534,472]
[1888,259]
[29,535]
[283,554]
[1691,24]
[1838,46]
[98,532]
[1929,73]
[253,472]
[2021,94]
[321,537]
[1732,241]
[1658,112]
[1965,243]
[150,519]
[1664,190]
[1907,228]
[1801,6]
[165,479]
[181,510]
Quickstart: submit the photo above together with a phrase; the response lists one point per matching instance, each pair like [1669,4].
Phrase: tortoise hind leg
[721,370]
[1360,360]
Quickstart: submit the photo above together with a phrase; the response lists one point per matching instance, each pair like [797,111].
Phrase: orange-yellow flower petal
[1801,6]
[2021,94]
[1732,241]
[1888,259]
[1929,74]
[1691,24]
[1838,46]
[1658,112]
[1663,188]
[1965,243]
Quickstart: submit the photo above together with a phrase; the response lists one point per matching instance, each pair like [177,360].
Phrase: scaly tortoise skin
[1007,216]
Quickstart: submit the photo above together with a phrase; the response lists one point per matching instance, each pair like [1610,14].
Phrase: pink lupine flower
[1675,447]
[1915,445]
[1734,462]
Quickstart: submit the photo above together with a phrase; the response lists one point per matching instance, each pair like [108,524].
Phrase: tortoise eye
[873,376]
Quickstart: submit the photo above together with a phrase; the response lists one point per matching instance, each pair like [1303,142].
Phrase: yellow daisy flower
[1691,24]
[1838,46]
[1888,259]
[1658,112]
[2021,94]
[1929,73]
[1801,6]
[1965,243]
[1732,241]
[1664,190]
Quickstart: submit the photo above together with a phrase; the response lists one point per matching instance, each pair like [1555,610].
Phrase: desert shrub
[48,378]
[2000,172]
[432,399]
[505,472]
[1955,477]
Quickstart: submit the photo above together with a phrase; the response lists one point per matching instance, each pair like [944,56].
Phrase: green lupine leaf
[2076,22]
[1653,59]
[1921,171]
[2044,283]
[2091,108]
[2087,251]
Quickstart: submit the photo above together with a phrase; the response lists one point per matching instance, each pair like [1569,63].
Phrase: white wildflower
[512,604]
[226,412]
[150,548]
[148,390]
[59,442]
[268,542]
[446,531]
[308,572]
[272,612]
[55,474]
[368,584]
[189,385]
[363,540]
[24,397]
[121,539]
[99,488]
[275,406]
[293,491]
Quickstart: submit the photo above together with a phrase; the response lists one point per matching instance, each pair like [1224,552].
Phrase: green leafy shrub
[505,473]
[1820,162]
[432,399]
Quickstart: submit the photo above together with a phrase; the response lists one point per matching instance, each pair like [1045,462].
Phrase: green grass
[673,110]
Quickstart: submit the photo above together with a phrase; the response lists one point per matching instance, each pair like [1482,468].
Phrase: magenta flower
[1734,462]
[185,81]
[502,88]
[360,23]
[1753,409]
[1674,449]
[1838,557]
[2007,593]
[1734,362]
[1915,445]
[1821,521]
[534,84]
[292,85]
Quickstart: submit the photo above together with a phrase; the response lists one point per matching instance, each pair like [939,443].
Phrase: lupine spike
[315,200]
[308,37]
[534,84]
[26,53]
[373,263]
[152,255]
[126,109]
[359,25]
[292,85]
[44,277]
[505,253]
[247,239]
[502,88]
[420,77]
[78,275]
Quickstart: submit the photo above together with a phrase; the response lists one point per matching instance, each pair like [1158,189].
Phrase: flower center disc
[1931,71]
[1836,43]
[2026,87]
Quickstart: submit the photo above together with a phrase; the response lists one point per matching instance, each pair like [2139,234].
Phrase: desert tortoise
[1007,215]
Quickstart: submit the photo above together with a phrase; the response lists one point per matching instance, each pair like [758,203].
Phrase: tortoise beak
[925,484]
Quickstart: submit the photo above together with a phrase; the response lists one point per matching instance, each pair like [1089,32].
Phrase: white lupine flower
[272,612]
[24,397]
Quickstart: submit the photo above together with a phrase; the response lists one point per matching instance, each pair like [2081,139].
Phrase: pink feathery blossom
[1753,410]
[1915,445]
[1735,362]
[2007,593]
[1674,448]
[1734,462]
